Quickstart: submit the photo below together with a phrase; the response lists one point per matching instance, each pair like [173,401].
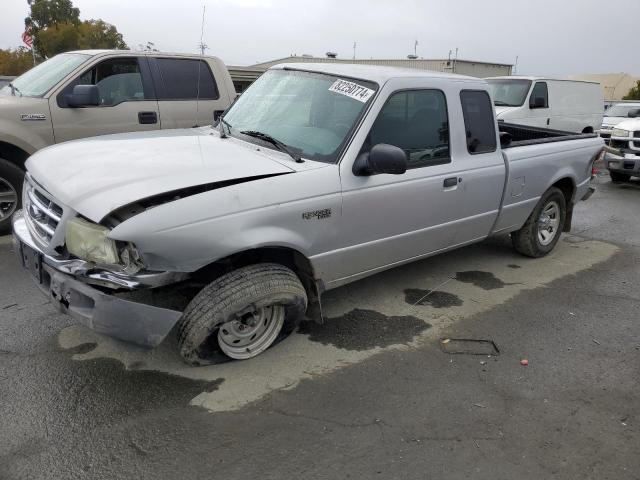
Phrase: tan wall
[614,85]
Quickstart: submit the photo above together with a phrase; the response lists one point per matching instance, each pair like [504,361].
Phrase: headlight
[617,132]
[89,242]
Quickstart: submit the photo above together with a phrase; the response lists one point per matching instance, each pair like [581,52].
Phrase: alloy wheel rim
[8,199]
[250,333]
[548,223]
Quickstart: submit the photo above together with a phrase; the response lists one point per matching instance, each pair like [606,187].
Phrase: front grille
[619,143]
[42,212]
[629,165]
[636,134]
[636,144]
[605,135]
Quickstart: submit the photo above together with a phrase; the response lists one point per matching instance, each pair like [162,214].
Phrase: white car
[618,113]
[622,157]
[569,105]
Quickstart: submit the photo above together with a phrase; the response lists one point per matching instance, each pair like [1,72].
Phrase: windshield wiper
[14,89]
[275,142]
[224,133]
[500,103]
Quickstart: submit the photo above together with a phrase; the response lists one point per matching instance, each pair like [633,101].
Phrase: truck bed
[512,135]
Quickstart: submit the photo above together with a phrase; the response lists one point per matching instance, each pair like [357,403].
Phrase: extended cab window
[539,96]
[180,79]
[479,122]
[417,122]
[118,80]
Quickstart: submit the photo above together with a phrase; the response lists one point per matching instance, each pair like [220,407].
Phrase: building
[244,76]
[463,67]
[614,85]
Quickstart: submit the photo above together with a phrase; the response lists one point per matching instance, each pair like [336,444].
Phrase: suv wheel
[11,178]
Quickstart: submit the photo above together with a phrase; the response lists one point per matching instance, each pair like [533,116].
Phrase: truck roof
[134,52]
[533,78]
[374,73]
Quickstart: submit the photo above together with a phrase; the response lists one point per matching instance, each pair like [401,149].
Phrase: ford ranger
[96,92]
[317,176]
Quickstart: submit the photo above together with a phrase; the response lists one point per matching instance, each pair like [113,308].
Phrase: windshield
[509,93]
[39,80]
[311,113]
[620,110]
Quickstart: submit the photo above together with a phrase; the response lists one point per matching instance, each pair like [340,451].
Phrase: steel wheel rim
[250,334]
[8,199]
[549,223]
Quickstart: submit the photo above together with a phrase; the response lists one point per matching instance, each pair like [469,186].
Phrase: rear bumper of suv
[143,324]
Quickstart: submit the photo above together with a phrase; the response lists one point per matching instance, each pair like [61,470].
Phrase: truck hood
[612,121]
[631,124]
[98,175]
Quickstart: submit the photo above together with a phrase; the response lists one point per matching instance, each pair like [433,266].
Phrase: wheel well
[587,130]
[568,189]
[13,154]
[288,257]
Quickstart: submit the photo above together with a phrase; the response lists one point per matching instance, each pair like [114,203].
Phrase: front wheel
[541,232]
[11,179]
[241,314]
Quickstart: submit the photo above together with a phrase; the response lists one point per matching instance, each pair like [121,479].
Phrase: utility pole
[515,66]
[415,49]
[455,61]
[354,50]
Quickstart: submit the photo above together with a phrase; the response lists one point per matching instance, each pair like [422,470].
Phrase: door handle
[147,118]
[450,182]
[548,121]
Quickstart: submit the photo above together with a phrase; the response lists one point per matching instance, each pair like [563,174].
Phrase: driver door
[388,219]
[127,101]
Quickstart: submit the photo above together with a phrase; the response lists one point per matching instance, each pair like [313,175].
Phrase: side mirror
[84,96]
[537,102]
[382,158]
[634,113]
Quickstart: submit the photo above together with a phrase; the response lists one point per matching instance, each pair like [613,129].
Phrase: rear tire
[541,232]
[617,177]
[11,179]
[241,314]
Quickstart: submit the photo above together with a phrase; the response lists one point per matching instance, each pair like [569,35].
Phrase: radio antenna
[202,47]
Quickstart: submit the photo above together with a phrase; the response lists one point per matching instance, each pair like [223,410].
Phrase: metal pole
[33,53]
[354,50]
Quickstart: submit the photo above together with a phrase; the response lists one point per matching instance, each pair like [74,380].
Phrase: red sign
[27,39]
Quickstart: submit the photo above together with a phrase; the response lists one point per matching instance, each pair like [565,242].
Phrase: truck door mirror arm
[382,158]
[84,96]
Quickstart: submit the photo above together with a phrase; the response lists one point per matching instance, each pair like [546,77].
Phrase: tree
[100,34]
[56,27]
[15,62]
[634,93]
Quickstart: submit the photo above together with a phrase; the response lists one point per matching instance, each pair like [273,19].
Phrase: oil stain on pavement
[364,329]
[433,298]
[484,280]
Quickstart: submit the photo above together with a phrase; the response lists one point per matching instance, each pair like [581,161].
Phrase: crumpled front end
[91,293]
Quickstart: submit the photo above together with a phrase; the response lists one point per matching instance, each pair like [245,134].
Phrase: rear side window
[180,78]
[479,122]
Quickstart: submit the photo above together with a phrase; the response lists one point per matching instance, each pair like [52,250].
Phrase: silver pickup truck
[318,175]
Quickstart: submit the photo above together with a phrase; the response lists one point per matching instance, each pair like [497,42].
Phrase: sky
[549,37]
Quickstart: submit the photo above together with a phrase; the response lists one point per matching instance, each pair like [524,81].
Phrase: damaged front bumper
[79,289]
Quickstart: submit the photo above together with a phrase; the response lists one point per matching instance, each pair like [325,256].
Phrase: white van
[569,105]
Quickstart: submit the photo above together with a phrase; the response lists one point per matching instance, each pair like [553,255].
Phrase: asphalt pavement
[373,393]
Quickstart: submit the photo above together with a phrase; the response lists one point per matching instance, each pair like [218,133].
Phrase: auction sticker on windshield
[352,90]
